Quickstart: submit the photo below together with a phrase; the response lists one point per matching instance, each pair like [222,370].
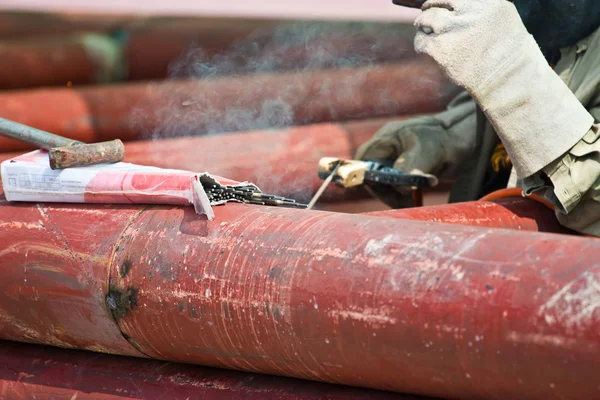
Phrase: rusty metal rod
[41,372]
[410,306]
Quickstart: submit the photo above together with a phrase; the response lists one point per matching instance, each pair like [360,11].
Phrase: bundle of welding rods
[248,194]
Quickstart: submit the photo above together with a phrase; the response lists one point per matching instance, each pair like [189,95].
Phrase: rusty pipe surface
[72,60]
[40,372]
[510,213]
[417,307]
[189,108]
[280,161]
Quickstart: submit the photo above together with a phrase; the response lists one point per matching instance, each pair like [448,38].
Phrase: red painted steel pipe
[283,161]
[511,213]
[411,306]
[40,372]
[208,46]
[72,60]
[181,108]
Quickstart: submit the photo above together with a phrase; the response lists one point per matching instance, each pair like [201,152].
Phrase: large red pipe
[46,373]
[510,213]
[410,306]
[181,108]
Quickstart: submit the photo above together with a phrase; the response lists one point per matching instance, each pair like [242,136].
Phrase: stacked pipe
[144,282]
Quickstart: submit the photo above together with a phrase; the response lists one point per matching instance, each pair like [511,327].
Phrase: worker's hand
[419,145]
[471,40]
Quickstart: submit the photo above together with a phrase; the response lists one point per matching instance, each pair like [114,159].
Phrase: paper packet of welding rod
[29,178]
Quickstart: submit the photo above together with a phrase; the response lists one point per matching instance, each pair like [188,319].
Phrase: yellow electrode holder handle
[350,173]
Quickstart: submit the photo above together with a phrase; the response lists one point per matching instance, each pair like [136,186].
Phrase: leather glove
[429,145]
[483,46]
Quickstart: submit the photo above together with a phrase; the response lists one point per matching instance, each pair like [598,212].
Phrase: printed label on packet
[24,181]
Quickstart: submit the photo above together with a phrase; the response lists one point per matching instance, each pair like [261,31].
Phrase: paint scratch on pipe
[21,225]
[368,315]
[576,305]
[375,247]
[24,331]
[541,339]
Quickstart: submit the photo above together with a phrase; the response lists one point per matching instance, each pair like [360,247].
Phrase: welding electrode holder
[353,173]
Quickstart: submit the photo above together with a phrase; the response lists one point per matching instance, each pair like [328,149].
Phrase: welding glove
[483,46]
[431,145]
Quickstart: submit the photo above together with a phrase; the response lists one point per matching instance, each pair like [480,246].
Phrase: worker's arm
[436,144]
[483,46]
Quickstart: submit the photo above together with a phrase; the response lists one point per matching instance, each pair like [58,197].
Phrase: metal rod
[36,137]
[324,186]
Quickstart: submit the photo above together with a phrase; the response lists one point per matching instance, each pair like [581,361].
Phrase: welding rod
[64,152]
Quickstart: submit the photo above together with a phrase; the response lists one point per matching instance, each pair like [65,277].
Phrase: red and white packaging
[29,178]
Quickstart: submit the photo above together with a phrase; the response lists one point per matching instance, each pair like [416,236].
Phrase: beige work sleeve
[572,183]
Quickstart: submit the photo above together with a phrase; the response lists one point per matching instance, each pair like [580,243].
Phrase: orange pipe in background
[190,107]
